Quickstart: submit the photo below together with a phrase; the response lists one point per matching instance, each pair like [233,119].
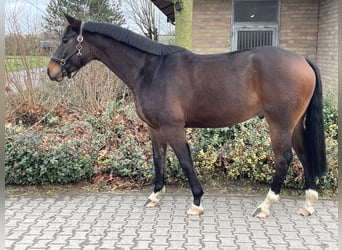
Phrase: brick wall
[308,27]
[299,26]
[327,49]
[211,26]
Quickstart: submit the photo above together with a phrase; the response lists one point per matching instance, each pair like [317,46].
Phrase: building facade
[308,27]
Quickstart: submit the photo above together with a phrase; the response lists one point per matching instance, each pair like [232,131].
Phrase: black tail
[314,131]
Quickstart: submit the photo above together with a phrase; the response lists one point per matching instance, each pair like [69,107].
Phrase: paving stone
[160,239]
[210,245]
[176,244]
[120,222]
[41,243]
[193,241]
[176,236]
[107,244]
[193,232]
[142,245]
[227,241]
[56,247]
[161,231]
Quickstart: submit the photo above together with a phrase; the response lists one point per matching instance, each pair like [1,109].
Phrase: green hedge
[244,151]
[117,143]
[47,155]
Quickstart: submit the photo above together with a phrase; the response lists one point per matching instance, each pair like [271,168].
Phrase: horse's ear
[73,22]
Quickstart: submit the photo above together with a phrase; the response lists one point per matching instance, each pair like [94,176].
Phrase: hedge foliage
[50,155]
[116,142]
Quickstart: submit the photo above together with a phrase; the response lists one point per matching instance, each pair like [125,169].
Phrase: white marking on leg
[155,197]
[195,210]
[270,199]
[310,197]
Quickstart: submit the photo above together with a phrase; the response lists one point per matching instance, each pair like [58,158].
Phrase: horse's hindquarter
[286,84]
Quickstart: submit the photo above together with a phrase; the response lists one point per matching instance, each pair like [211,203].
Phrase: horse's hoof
[262,214]
[258,213]
[153,199]
[150,203]
[303,212]
[195,210]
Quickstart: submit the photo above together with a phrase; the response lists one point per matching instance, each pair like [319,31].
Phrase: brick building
[308,27]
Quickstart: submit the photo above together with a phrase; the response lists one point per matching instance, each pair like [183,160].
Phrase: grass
[16,63]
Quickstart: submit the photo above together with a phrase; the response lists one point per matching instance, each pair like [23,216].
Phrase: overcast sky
[30,12]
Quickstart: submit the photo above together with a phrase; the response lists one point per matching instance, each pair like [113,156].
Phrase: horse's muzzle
[55,72]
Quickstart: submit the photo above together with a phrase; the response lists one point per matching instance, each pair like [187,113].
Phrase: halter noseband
[77,51]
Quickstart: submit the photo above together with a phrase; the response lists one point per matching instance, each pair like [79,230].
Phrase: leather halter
[77,51]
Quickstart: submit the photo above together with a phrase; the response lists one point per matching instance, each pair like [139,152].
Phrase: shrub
[330,117]
[121,144]
[241,151]
[115,142]
[46,156]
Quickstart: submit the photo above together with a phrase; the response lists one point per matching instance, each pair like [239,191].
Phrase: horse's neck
[123,60]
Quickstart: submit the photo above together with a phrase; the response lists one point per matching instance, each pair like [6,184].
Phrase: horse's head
[72,53]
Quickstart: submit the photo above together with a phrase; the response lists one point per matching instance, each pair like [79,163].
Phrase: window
[253,38]
[256,11]
[255,23]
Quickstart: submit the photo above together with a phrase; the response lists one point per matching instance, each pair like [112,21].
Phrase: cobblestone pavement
[120,221]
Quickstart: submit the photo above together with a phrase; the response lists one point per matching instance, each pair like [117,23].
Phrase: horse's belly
[219,119]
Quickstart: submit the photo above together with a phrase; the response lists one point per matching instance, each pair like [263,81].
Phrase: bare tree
[23,81]
[143,13]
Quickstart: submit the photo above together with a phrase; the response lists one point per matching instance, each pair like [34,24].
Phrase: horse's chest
[140,112]
[146,112]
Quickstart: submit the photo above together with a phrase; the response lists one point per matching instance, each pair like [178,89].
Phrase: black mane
[130,38]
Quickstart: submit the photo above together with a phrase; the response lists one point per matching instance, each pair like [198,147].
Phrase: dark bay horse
[175,88]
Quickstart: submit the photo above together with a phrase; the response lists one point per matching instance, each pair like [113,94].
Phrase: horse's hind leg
[159,146]
[311,195]
[281,145]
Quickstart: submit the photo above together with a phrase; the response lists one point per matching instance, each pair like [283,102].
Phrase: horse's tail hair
[314,131]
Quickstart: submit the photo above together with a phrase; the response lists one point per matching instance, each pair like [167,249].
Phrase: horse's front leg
[177,140]
[159,146]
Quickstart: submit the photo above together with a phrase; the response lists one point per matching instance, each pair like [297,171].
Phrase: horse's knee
[287,157]
[283,162]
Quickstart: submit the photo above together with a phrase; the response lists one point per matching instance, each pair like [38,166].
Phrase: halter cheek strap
[77,51]
[80,40]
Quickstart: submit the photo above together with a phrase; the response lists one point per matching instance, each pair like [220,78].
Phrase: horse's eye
[65,39]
